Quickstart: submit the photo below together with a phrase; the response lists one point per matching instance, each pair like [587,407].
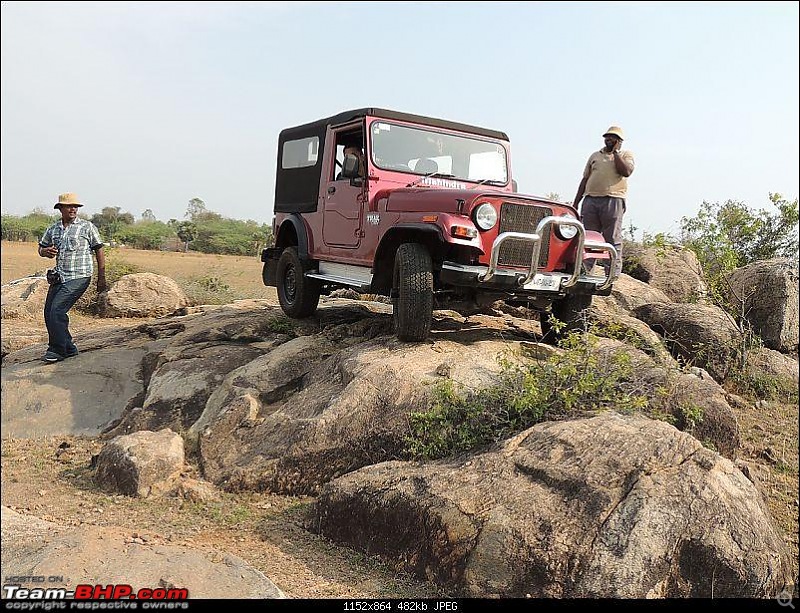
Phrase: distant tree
[29,227]
[554,196]
[110,220]
[231,236]
[187,232]
[145,234]
[148,215]
[196,209]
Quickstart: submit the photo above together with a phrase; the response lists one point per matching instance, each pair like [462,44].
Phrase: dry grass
[770,447]
[242,274]
[263,529]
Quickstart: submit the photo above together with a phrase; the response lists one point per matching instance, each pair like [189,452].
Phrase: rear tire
[298,295]
[412,292]
[570,310]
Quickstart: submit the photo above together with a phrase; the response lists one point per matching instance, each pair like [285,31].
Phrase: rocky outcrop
[606,507]
[630,293]
[692,401]
[314,408]
[24,298]
[81,395]
[141,464]
[772,374]
[102,556]
[767,293]
[142,294]
[612,320]
[673,270]
[180,386]
[702,335]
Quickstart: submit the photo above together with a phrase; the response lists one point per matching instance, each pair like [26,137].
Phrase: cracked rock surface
[607,507]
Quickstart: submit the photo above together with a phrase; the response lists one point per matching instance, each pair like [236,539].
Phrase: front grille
[522,218]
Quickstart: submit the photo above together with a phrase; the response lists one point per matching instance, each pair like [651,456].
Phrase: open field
[242,274]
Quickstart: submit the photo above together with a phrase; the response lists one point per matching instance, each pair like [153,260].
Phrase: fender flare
[300,231]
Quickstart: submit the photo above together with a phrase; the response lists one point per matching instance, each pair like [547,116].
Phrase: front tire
[412,292]
[571,311]
[298,295]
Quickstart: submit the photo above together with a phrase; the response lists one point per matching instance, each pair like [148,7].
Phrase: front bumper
[533,281]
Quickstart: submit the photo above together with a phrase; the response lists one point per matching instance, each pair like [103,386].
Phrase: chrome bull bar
[536,239]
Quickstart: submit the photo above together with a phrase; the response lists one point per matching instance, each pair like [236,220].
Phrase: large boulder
[675,271]
[702,335]
[91,555]
[141,464]
[24,298]
[612,320]
[694,404]
[184,379]
[142,294]
[606,507]
[317,407]
[82,395]
[630,293]
[767,294]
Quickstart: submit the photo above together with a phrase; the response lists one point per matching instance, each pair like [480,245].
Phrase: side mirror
[514,186]
[350,167]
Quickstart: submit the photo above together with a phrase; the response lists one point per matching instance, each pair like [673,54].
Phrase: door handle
[332,189]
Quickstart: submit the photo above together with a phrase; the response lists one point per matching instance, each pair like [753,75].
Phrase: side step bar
[337,279]
[344,274]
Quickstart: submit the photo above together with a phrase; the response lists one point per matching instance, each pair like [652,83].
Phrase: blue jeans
[60,299]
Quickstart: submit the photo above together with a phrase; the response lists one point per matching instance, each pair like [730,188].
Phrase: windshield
[422,152]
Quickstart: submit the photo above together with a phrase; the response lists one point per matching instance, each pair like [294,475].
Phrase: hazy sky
[147,105]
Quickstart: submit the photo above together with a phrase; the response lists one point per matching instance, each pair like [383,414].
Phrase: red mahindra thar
[425,211]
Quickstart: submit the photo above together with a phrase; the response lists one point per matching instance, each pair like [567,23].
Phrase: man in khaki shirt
[605,187]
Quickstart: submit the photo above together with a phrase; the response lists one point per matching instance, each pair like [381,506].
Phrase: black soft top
[314,127]
[297,189]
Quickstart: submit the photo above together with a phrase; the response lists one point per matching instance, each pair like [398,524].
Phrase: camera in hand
[54,276]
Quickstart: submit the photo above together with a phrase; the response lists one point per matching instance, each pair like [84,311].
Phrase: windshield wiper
[490,181]
[431,174]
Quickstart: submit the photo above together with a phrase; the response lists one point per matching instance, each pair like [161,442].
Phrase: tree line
[200,230]
[724,235]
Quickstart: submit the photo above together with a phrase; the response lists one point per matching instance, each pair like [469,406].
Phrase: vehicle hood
[415,199]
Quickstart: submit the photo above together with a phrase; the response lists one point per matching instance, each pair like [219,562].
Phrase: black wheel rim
[290,284]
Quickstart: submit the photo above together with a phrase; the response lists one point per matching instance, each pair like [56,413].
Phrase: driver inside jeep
[356,151]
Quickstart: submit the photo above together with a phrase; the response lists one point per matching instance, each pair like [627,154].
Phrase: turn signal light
[462,232]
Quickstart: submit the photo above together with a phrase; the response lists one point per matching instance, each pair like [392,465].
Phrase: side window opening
[353,140]
[300,153]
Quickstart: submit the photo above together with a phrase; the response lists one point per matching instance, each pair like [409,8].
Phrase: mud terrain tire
[297,294]
[412,292]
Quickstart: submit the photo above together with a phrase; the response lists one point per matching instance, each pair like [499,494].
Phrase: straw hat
[615,131]
[68,198]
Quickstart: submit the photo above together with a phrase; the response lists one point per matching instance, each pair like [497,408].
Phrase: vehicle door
[344,198]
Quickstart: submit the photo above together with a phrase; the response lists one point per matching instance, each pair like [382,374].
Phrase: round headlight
[485,216]
[567,231]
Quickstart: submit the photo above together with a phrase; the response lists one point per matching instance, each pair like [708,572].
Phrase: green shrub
[145,234]
[208,290]
[527,392]
[28,228]
[281,325]
[763,386]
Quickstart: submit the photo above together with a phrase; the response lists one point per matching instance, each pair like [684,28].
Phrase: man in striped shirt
[70,241]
